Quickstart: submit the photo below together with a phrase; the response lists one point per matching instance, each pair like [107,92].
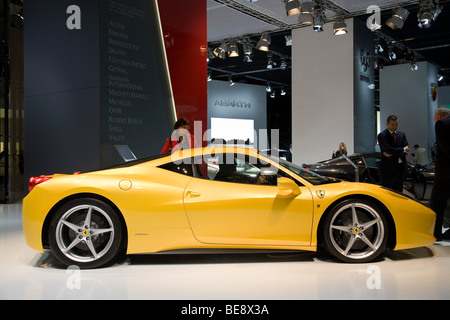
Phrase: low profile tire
[85,232]
[355,231]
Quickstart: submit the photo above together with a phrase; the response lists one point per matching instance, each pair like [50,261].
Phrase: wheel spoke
[73,244]
[350,244]
[100,231]
[342,228]
[355,220]
[92,248]
[367,241]
[87,221]
[71,226]
[369,224]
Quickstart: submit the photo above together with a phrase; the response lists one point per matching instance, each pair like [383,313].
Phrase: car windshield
[309,176]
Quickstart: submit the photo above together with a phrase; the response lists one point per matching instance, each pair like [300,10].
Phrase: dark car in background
[363,167]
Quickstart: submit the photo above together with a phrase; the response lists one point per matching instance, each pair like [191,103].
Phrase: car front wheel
[86,233]
[355,231]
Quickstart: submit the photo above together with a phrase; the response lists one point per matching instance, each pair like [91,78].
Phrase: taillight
[34,181]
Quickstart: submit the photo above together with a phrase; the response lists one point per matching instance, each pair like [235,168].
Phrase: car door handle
[192,194]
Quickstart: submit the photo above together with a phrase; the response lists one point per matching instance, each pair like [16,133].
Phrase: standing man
[394,147]
[441,187]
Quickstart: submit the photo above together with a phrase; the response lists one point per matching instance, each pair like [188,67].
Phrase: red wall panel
[184,25]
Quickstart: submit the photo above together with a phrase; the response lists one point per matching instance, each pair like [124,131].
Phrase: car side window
[235,168]
[184,168]
[229,168]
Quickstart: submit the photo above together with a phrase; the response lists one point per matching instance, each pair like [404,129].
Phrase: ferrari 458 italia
[216,198]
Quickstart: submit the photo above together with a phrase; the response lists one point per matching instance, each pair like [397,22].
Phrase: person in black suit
[441,187]
[394,147]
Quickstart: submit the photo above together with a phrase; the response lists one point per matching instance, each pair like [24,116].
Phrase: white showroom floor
[410,274]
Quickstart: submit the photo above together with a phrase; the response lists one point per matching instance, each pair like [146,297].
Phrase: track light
[440,77]
[264,42]
[398,19]
[339,27]
[306,16]
[292,7]
[233,50]
[230,81]
[221,51]
[428,12]
[319,21]
[268,88]
[391,54]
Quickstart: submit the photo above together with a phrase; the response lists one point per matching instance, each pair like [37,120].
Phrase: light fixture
[268,88]
[288,39]
[230,81]
[428,12]
[398,19]
[414,66]
[270,63]
[292,7]
[283,92]
[440,77]
[221,51]
[391,54]
[248,49]
[264,42]
[339,27]
[379,48]
[319,21]
[283,64]
[306,16]
[233,49]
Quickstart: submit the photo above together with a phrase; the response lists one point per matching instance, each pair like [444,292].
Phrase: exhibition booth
[103,83]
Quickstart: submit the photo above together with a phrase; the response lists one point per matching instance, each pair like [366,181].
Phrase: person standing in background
[441,186]
[394,148]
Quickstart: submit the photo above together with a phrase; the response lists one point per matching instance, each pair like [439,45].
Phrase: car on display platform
[363,167]
[216,198]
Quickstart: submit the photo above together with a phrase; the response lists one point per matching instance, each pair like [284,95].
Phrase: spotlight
[391,53]
[233,50]
[414,66]
[248,49]
[339,27]
[221,51]
[428,12]
[288,39]
[268,88]
[379,49]
[306,16]
[440,77]
[230,81]
[283,92]
[398,19]
[270,63]
[264,42]
[292,7]
[319,21]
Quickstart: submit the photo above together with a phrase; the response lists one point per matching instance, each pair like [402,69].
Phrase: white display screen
[229,129]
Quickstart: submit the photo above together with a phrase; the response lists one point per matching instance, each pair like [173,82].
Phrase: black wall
[90,88]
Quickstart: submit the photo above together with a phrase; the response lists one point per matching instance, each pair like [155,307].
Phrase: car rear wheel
[85,232]
[355,231]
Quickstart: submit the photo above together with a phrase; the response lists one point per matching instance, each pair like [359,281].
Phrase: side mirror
[287,188]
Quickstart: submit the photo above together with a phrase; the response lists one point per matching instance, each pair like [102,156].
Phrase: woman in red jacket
[180,138]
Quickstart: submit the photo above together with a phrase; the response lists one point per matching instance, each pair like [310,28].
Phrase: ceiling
[234,19]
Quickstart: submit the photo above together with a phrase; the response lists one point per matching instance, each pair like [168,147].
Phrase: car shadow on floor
[48,260]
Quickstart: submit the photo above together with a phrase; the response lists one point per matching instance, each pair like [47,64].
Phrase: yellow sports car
[216,198]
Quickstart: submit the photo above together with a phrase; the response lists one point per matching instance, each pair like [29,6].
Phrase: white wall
[408,95]
[322,92]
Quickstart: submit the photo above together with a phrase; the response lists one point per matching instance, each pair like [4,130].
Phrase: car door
[239,207]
